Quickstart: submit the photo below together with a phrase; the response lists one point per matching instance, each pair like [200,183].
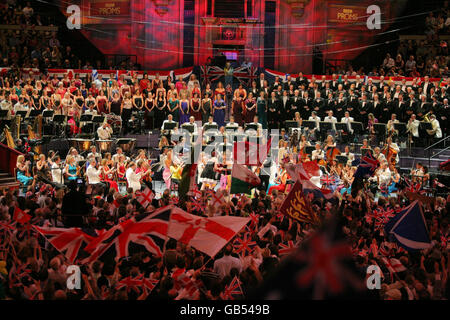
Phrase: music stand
[98,119]
[342,159]
[169,125]
[231,128]
[340,126]
[208,127]
[59,118]
[425,125]
[251,126]
[380,129]
[325,126]
[48,113]
[3,114]
[309,149]
[86,118]
[309,124]
[188,127]
[357,127]
[34,113]
[22,114]
[400,127]
[290,124]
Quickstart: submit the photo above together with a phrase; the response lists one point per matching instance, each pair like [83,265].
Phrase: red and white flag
[21,216]
[145,197]
[303,171]
[208,235]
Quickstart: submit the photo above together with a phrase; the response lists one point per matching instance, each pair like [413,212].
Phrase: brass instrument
[426,117]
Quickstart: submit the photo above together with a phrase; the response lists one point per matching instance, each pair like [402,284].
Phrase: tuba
[426,117]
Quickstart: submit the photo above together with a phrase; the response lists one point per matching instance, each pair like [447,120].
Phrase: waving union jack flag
[244,246]
[286,249]
[328,179]
[233,289]
[129,283]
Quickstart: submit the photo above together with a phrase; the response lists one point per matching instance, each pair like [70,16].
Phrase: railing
[28,28]
[428,149]
[8,159]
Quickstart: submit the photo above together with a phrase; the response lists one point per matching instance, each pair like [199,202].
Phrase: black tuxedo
[377,107]
[305,108]
[318,105]
[294,104]
[422,109]
[273,113]
[364,108]
[340,107]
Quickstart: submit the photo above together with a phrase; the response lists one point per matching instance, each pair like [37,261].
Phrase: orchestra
[323,117]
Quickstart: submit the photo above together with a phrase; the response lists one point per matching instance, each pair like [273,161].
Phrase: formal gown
[219,114]
[184,116]
[207,113]
[262,113]
[249,114]
[196,114]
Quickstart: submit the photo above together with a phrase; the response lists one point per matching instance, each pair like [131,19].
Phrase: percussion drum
[115,122]
[81,144]
[104,145]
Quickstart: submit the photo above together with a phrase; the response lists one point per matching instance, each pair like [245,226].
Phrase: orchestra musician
[346,136]
[71,169]
[412,127]
[280,180]
[304,143]
[106,175]
[57,170]
[116,156]
[105,131]
[121,167]
[436,131]
[133,178]
[390,125]
[143,166]
[350,156]
[378,155]
[23,171]
[316,131]
[94,154]
[330,149]
[93,174]
[318,155]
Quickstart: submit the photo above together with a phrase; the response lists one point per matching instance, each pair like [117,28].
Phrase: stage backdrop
[281,34]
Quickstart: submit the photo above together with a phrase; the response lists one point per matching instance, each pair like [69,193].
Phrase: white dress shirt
[436,126]
[317,120]
[93,175]
[133,179]
[317,155]
[347,121]
[413,127]
[104,133]
[333,120]
[57,173]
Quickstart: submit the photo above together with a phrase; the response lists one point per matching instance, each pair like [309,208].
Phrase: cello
[331,153]
[390,153]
